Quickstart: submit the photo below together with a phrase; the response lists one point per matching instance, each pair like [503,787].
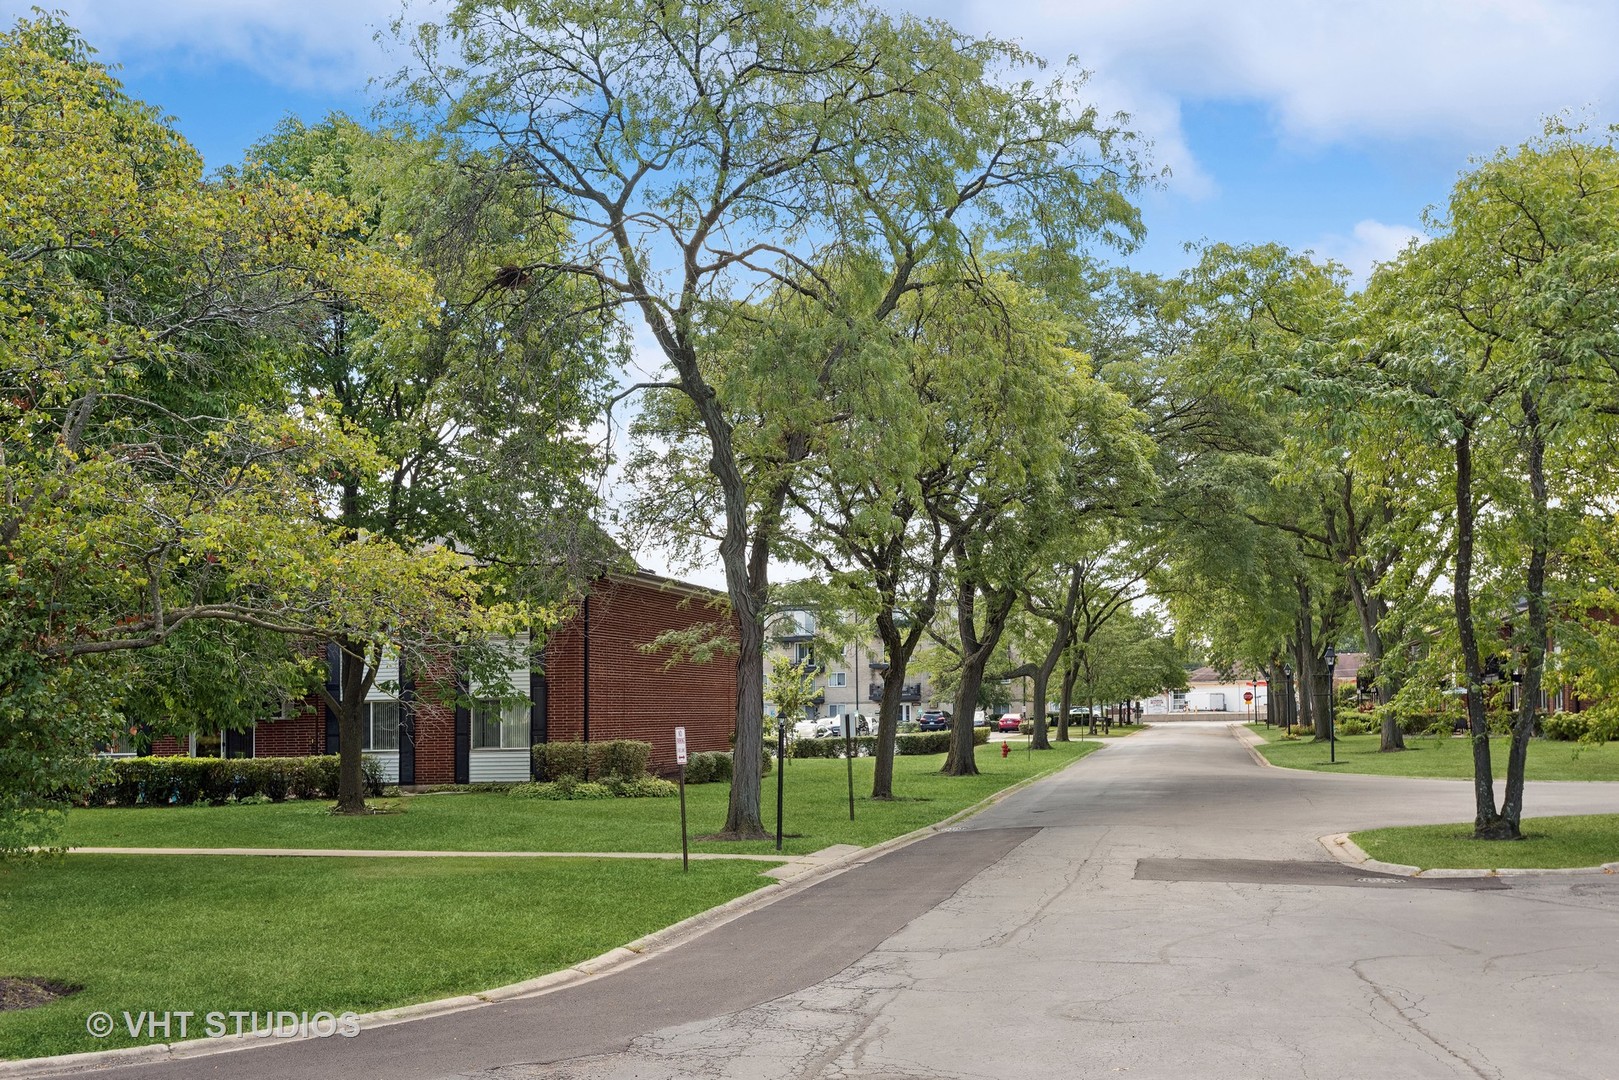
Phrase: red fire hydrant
[1005,749]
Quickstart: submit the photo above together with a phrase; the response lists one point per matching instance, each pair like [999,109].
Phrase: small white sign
[680,746]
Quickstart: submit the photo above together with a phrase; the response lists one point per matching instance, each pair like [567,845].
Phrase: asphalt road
[1161,909]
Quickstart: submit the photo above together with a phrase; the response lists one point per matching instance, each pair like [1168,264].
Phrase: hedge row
[915,745]
[625,759]
[1597,725]
[184,781]
[714,766]
[645,787]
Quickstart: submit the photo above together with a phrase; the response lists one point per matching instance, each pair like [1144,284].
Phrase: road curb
[634,952]
[1252,743]
[1346,851]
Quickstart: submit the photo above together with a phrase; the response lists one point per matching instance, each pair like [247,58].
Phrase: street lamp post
[1331,657]
[1287,697]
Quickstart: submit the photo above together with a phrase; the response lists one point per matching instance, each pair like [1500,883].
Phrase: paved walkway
[387,853]
[1161,909]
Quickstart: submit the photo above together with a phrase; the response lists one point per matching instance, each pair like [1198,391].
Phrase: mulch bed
[28,993]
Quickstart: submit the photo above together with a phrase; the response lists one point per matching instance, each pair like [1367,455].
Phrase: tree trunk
[742,818]
[350,717]
[1069,675]
[975,654]
[897,648]
[1038,739]
[1538,638]
[1487,823]
[1304,662]
[882,781]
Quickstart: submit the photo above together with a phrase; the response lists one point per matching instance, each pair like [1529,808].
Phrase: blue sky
[1320,124]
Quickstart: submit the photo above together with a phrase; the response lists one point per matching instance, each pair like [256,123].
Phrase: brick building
[590,681]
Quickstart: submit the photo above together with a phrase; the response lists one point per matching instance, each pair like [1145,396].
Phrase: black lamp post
[1287,699]
[1331,657]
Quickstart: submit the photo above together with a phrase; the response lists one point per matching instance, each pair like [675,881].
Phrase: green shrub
[184,781]
[1565,726]
[923,744]
[832,747]
[554,760]
[624,758]
[714,766]
[588,789]
[534,790]
[1353,725]
[708,767]
[644,787]
[1602,724]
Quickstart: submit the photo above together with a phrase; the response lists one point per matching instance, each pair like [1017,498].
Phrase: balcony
[908,692]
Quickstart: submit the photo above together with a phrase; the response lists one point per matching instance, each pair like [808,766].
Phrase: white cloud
[1475,72]
[1331,71]
[1368,244]
[321,45]
[1328,71]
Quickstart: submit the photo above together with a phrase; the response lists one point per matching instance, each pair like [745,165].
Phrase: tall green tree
[159,491]
[1501,350]
[710,151]
[476,415]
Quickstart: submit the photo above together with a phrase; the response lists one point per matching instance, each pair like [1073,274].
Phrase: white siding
[492,766]
[387,676]
[389,760]
[516,681]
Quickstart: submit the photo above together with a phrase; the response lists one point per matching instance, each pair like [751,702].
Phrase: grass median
[816,814]
[1441,756]
[1548,843]
[172,933]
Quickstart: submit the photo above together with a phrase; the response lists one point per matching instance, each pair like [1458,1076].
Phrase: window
[837,678]
[803,654]
[379,728]
[207,744]
[836,710]
[499,727]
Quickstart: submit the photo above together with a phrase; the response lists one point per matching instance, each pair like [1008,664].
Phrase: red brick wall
[298,735]
[631,695]
[171,746]
[435,724]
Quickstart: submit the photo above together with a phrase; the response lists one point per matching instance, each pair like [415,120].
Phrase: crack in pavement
[1387,996]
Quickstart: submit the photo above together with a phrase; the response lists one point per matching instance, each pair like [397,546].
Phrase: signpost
[1248,696]
[1331,657]
[848,756]
[680,760]
[781,770]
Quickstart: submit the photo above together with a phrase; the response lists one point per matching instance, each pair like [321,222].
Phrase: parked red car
[1008,722]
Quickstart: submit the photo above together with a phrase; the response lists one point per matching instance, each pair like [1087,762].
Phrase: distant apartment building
[848,679]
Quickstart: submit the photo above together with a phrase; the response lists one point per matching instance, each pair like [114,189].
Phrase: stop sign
[1248,695]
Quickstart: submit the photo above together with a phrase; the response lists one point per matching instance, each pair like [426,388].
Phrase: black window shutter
[463,734]
[537,719]
[334,687]
[407,729]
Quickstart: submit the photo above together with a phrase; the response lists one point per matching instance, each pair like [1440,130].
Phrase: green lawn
[242,933]
[178,932]
[817,814]
[1549,842]
[1442,756]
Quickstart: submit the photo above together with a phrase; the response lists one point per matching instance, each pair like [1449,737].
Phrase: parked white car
[822,727]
